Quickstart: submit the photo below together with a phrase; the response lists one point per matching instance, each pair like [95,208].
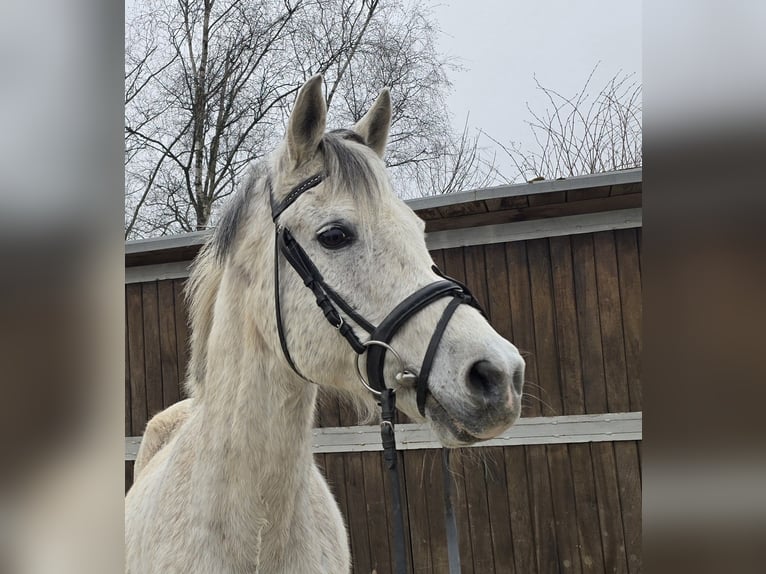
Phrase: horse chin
[450,432]
[453,433]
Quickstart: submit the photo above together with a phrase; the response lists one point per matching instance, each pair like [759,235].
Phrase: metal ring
[403,367]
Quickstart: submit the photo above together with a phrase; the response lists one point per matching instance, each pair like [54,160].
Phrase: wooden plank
[588,324]
[138,412]
[171,389]
[610,314]
[568,344]
[433,492]
[152,361]
[586,508]
[607,427]
[499,303]
[629,480]
[564,513]
[630,298]
[376,509]
[475,273]
[357,516]
[336,479]
[499,511]
[543,523]
[523,323]
[414,482]
[478,513]
[548,198]
[182,331]
[128,423]
[549,387]
[609,510]
[460,506]
[591,193]
[626,188]
[438,257]
[519,503]
[454,263]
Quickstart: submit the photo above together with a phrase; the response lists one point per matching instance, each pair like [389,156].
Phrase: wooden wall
[572,304]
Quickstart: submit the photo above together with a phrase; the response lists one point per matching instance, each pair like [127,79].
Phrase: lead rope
[391,458]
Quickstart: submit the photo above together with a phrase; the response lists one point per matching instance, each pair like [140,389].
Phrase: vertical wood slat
[433,492]
[171,392]
[499,511]
[357,516]
[567,340]
[182,332]
[523,323]
[134,312]
[377,513]
[586,509]
[610,313]
[607,491]
[630,298]
[519,503]
[629,482]
[128,401]
[152,362]
[414,483]
[478,513]
[546,547]
[543,319]
[460,505]
[499,303]
[589,324]
[563,504]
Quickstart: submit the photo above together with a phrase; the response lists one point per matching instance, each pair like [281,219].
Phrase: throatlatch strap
[278,305]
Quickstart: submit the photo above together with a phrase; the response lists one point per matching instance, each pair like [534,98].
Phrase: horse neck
[255,418]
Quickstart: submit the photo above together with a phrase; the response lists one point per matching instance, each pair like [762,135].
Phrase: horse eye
[335,237]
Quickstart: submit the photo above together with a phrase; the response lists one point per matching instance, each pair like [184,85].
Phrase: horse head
[327,222]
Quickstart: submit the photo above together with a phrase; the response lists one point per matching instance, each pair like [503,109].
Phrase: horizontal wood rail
[568,429]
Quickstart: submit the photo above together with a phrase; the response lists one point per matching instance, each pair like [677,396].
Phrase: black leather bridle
[335,307]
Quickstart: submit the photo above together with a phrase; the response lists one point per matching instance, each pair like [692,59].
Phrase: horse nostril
[485,378]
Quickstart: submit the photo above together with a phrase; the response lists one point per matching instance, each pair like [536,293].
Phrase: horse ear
[373,127]
[307,122]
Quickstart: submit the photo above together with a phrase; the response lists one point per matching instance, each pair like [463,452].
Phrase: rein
[334,308]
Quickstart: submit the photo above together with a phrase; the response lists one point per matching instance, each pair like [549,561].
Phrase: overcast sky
[502,43]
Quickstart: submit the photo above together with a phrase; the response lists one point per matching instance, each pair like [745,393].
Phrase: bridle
[334,308]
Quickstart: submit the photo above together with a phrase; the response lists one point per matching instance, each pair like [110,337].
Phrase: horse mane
[348,169]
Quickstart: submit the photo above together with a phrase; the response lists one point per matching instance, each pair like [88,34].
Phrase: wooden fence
[557,267]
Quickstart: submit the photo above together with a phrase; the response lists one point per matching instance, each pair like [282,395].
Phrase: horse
[226,480]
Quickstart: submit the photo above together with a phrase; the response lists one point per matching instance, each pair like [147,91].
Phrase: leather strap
[433,345]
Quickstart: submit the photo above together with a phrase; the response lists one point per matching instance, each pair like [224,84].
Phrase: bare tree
[582,134]
[208,83]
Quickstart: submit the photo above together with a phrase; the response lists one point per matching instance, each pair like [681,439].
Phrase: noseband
[332,305]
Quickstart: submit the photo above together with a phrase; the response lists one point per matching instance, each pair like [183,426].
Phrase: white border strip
[535,229]
[157,272]
[483,235]
[537,430]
